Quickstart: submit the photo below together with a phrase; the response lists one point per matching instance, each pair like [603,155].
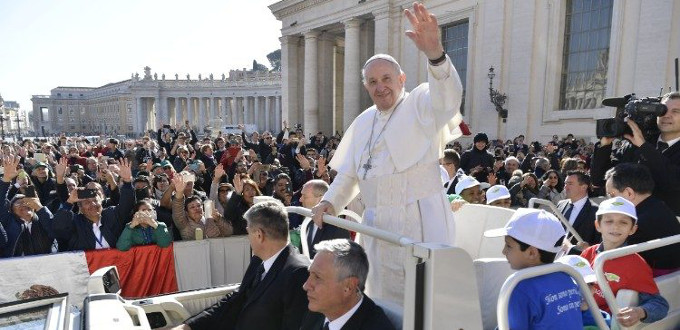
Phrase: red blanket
[144,270]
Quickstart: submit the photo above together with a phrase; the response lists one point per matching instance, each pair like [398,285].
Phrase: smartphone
[87,193]
[41,157]
[29,191]
[74,168]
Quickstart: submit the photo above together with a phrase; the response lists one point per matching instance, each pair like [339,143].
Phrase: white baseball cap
[537,228]
[617,205]
[497,192]
[581,265]
[466,182]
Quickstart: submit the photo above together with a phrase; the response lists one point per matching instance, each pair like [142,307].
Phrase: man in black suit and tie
[578,209]
[271,294]
[335,290]
[310,195]
[659,152]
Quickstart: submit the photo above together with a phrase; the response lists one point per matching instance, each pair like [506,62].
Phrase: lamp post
[18,121]
[496,97]
[3,119]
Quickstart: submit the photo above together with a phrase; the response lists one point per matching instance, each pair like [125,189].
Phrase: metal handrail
[602,257]
[558,214]
[357,227]
[512,281]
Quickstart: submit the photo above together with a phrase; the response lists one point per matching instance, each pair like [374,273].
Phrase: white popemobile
[463,287]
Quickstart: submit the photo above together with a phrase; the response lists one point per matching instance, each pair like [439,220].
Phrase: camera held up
[643,111]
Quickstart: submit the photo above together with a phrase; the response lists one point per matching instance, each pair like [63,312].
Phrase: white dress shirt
[99,239]
[578,206]
[269,262]
[338,323]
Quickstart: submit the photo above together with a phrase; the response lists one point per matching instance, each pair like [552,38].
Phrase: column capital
[381,14]
[352,23]
[289,39]
[311,34]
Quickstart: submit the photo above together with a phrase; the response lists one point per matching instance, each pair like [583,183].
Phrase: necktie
[661,146]
[567,211]
[258,276]
[310,237]
[325,326]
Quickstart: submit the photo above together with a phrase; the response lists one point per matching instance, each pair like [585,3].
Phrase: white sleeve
[343,189]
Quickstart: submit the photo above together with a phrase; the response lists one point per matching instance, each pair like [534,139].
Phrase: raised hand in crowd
[219,173]
[60,169]
[238,184]
[304,162]
[33,203]
[179,184]
[10,162]
[125,172]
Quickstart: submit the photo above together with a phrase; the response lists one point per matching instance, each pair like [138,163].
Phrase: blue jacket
[76,229]
[42,237]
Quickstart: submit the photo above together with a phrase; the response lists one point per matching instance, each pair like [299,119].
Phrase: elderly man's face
[383,83]
[511,166]
[325,292]
[307,197]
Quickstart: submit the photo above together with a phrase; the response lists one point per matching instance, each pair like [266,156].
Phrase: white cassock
[402,191]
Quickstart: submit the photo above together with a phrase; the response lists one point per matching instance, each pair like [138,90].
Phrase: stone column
[139,126]
[267,121]
[256,120]
[289,78]
[215,111]
[277,114]
[352,83]
[179,115]
[239,112]
[228,117]
[191,116]
[202,113]
[159,111]
[311,82]
[382,32]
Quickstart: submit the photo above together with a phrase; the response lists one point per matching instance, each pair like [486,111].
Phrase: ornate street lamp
[18,121]
[496,97]
[3,119]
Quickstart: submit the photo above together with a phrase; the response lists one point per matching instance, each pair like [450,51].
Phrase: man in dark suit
[578,209]
[335,290]
[271,295]
[659,152]
[310,195]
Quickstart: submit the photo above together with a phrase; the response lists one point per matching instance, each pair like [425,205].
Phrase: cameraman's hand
[605,141]
[637,138]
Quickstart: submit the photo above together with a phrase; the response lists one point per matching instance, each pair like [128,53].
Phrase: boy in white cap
[498,195]
[616,220]
[470,190]
[551,301]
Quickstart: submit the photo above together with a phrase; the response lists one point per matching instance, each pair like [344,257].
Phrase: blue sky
[49,43]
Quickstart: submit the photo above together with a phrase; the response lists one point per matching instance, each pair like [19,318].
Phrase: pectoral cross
[367,166]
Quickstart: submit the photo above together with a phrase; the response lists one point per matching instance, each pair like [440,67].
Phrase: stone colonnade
[201,111]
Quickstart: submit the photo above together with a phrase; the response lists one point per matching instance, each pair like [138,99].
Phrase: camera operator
[660,153]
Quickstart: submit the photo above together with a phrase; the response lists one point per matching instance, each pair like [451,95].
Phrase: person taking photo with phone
[26,221]
[95,227]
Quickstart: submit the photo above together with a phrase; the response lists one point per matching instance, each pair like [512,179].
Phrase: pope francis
[390,153]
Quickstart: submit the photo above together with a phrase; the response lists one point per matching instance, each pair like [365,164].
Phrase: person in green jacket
[144,229]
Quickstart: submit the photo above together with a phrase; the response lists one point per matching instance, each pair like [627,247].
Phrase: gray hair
[350,259]
[385,57]
[319,187]
[271,217]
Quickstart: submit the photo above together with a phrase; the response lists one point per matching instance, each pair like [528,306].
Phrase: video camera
[643,111]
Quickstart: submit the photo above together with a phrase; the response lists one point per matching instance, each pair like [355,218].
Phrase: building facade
[554,59]
[145,103]
[13,122]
